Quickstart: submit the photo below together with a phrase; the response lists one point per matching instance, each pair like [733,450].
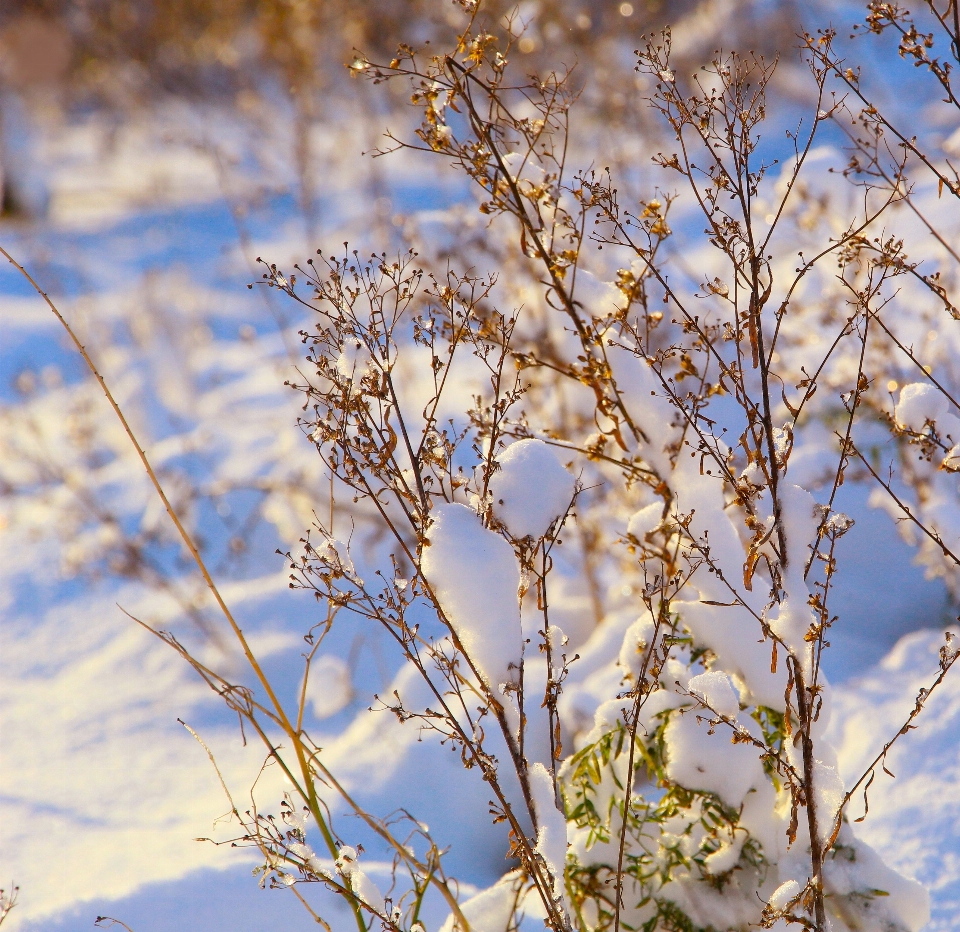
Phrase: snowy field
[102,791]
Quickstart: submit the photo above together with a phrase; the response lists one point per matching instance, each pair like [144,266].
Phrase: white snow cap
[551,826]
[354,361]
[346,859]
[490,910]
[366,890]
[919,402]
[784,894]
[475,576]
[363,887]
[700,761]
[329,688]
[645,520]
[636,644]
[716,690]
[530,489]
[722,630]
[829,791]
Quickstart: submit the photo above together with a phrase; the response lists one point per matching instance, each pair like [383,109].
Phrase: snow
[365,889]
[124,812]
[593,678]
[531,489]
[635,650]
[725,857]
[920,402]
[329,686]
[716,690]
[491,910]
[746,659]
[794,616]
[354,361]
[914,819]
[551,826]
[475,576]
[828,790]
[903,903]
[950,649]
[645,520]
[698,760]
[784,894]
[104,768]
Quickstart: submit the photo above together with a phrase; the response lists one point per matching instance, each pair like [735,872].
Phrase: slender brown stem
[805,714]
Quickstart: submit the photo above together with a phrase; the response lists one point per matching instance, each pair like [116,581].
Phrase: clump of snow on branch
[551,827]
[921,404]
[716,690]
[474,574]
[531,489]
[491,910]
[329,687]
[360,883]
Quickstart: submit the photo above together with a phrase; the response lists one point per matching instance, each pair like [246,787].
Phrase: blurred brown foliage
[122,53]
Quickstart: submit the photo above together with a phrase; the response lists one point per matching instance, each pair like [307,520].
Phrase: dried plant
[671,772]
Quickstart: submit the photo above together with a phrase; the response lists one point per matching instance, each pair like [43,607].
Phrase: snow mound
[490,910]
